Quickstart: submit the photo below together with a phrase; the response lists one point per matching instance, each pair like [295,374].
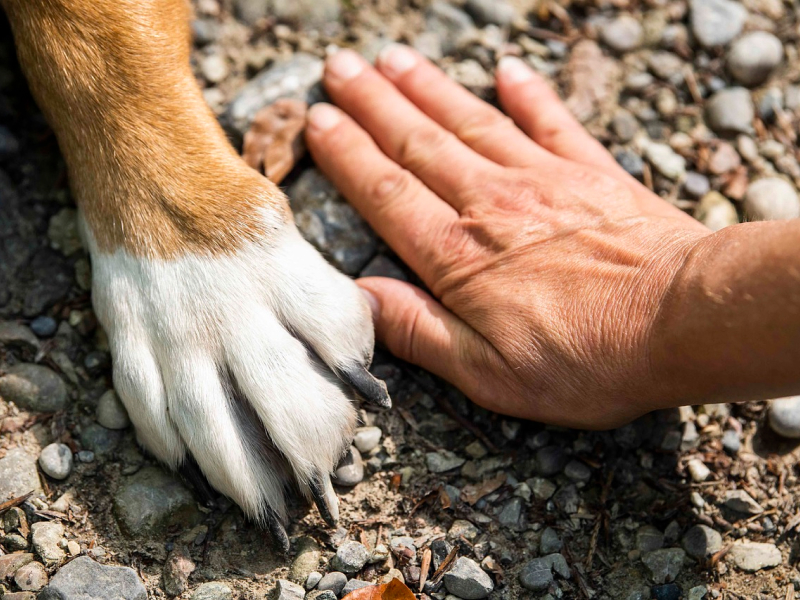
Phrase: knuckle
[391,186]
[475,128]
[420,145]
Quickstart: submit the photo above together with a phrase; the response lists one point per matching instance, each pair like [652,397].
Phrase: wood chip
[275,142]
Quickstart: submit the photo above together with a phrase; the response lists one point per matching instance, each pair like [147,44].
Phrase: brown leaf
[474,492]
[593,81]
[275,143]
[394,590]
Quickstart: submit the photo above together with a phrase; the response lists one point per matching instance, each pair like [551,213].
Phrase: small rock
[63,232]
[443,461]
[18,474]
[665,160]
[716,212]
[724,159]
[567,499]
[16,335]
[649,539]
[452,25]
[100,440]
[770,198]
[696,185]
[716,22]
[177,569]
[84,578]
[355,584]
[320,595]
[578,471]
[462,528]
[622,34]
[44,326]
[312,580]
[334,581]
[492,12]
[350,470]
[753,57]
[213,590]
[752,556]
[701,542]
[56,461]
[668,591]
[287,590]
[625,125]
[741,502]
[111,413]
[31,578]
[214,68]
[730,111]
[698,470]
[46,537]
[367,438]
[666,66]
[73,547]
[665,564]
[697,593]
[511,514]
[630,161]
[542,489]
[350,558]
[536,575]
[86,456]
[306,561]
[549,543]
[550,461]
[784,417]
[731,442]
[467,580]
[33,387]
[11,563]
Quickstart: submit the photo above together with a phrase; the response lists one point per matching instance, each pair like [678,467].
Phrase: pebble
[177,569]
[44,326]
[511,514]
[287,590]
[56,461]
[753,57]
[18,474]
[730,111]
[86,456]
[353,585]
[753,556]
[399,542]
[307,560]
[312,580]
[452,25]
[443,461]
[698,470]
[111,413]
[10,563]
[63,232]
[724,159]
[214,68]
[331,224]
[46,538]
[549,543]
[622,34]
[320,595]
[668,591]
[492,12]
[350,470]
[716,22]
[536,575]
[648,539]
[664,564]
[625,125]
[741,502]
[16,335]
[9,145]
[666,66]
[367,439]
[213,590]
[34,387]
[103,442]
[31,578]
[350,558]
[665,160]
[784,417]
[84,578]
[630,161]
[716,212]
[150,501]
[578,471]
[467,580]
[696,185]
[334,581]
[701,542]
[731,441]
[771,198]
[550,460]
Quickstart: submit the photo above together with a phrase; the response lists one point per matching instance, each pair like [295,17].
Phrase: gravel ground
[698,99]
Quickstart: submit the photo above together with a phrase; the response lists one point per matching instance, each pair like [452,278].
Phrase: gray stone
[10,563]
[698,470]
[752,556]
[31,578]
[666,66]
[730,111]
[741,502]
[367,439]
[664,564]
[784,417]
[213,590]
[177,569]
[46,538]
[467,580]
[753,57]
[312,580]
[334,581]
[331,224]
[443,461]
[550,460]
[771,198]
[716,212]
[33,387]
[536,575]
[56,461]
[625,125]
[622,34]
[453,26]
[716,22]
[14,542]
[350,470]
[511,514]
[492,12]
[350,557]
[549,543]
[542,489]
[665,160]
[353,585]
[63,232]
[149,501]
[630,161]
[731,441]
[100,440]
[294,78]
[44,326]
[321,595]
[18,475]
[701,542]
[307,13]
[567,499]
[111,413]
[578,471]
[648,539]
[306,561]
[286,590]
[399,542]
[696,185]
[16,335]
[83,578]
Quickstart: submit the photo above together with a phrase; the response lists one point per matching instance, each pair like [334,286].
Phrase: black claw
[368,387]
[279,536]
[318,494]
[191,473]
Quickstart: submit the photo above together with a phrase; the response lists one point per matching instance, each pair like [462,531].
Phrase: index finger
[405,213]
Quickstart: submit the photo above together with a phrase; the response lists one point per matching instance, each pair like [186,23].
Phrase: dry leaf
[474,492]
[394,590]
[275,143]
[593,81]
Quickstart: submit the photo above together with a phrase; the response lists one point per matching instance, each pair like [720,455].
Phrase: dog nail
[368,387]
[325,499]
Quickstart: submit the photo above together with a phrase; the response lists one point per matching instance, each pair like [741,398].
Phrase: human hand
[546,261]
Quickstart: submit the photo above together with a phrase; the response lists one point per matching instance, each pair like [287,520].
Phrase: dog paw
[244,363]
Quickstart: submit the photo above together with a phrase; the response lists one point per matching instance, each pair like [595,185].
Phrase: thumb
[417,329]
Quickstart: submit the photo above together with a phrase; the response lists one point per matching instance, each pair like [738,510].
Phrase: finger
[404,212]
[479,125]
[439,159]
[417,329]
[538,110]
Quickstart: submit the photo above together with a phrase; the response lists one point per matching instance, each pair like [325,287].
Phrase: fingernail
[374,305]
[345,65]
[323,117]
[396,59]
[513,70]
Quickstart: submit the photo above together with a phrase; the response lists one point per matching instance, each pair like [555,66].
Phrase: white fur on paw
[232,360]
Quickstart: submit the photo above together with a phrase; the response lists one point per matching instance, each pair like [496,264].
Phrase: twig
[14,502]
[424,568]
